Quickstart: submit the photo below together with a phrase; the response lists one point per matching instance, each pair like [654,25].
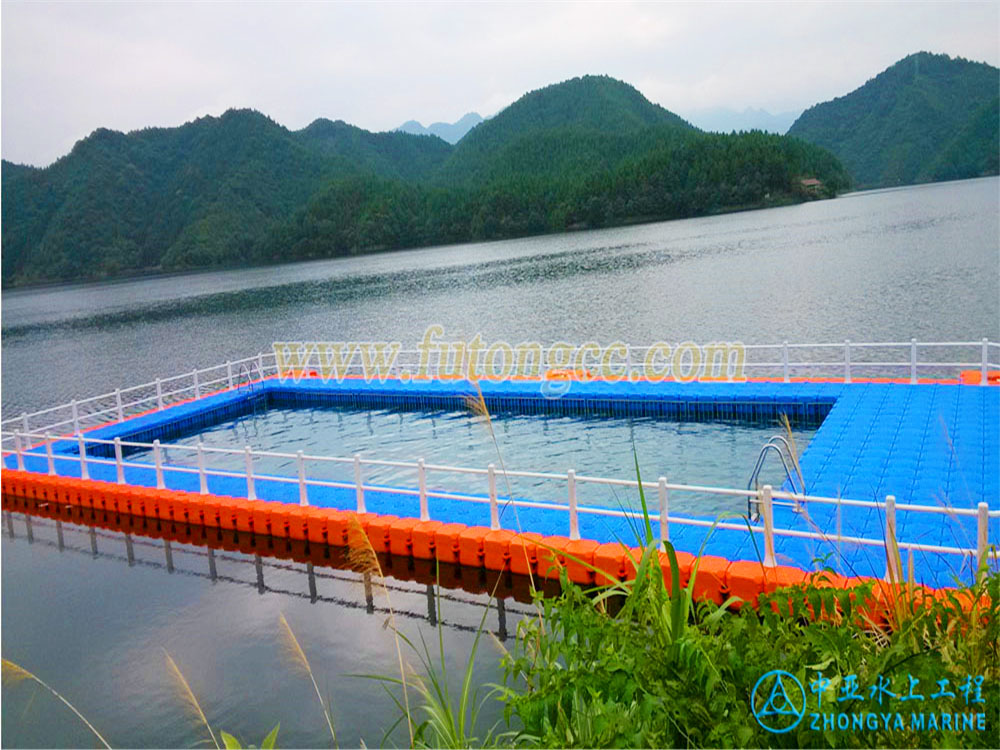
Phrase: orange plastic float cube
[711,578]
[446,542]
[401,536]
[378,532]
[524,553]
[422,539]
[631,561]
[164,505]
[496,549]
[281,514]
[685,560]
[295,522]
[339,524]
[227,514]
[551,559]
[88,496]
[610,560]
[746,580]
[180,505]
[261,515]
[135,501]
[243,510]
[579,557]
[470,546]
[316,530]
[208,512]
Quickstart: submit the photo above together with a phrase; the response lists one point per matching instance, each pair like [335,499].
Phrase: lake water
[919,262]
[717,454]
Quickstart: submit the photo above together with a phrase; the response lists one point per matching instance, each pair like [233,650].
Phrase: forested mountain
[198,195]
[393,154]
[240,188]
[580,125]
[928,117]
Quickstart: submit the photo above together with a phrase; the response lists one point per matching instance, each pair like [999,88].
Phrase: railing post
[913,361]
[260,364]
[202,475]
[229,373]
[197,385]
[84,474]
[300,463]
[76,415]
[17,450]
[784,361]
[574,521]
[982,534]
[847,361]
[159,394]
[118,405]
[767,507]
[49,456]
[359,488]
[983,374]
[425,513]
[158,463]
[251,487]
[491,473]
[664,523]
[24,423]
[892,561]
[628,364]
[119,468]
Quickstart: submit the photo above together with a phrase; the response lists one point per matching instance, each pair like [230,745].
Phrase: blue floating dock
[926,444]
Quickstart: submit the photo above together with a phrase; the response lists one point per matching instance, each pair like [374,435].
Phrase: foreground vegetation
[666,673]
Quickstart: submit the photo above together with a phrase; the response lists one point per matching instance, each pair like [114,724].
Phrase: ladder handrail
[754,476]
[253,392]
[791,458]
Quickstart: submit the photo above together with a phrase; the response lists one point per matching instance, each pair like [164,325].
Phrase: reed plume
[477,406]
[298,657]
[14,674]
[362,559]
[187,694]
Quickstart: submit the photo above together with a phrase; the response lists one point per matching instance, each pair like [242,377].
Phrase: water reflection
[197,552]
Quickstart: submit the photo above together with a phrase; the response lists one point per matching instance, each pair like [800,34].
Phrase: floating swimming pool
[930,449]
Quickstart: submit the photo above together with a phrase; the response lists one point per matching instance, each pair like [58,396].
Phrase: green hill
[198,195]
[581,125]
[927,117]
[241,189]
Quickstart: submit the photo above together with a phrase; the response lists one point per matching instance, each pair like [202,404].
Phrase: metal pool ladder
[778,444]
[252,391]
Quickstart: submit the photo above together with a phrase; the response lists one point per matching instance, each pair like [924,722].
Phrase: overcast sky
[68,68]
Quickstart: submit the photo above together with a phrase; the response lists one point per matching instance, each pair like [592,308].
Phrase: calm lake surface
[919,262]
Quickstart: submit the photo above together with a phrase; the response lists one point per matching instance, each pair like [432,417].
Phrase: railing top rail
[271,360]
[414,465]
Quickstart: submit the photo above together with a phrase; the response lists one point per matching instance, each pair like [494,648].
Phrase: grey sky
[68,68]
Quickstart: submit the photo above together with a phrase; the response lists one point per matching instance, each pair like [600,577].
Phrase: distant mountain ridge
[927,117]
[726,120]
[240,188]
[452,132]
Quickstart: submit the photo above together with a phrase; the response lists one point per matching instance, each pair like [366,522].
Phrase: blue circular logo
[778,701]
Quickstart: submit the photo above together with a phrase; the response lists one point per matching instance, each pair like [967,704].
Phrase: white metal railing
[765,497]
[847,360]
[122,403]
